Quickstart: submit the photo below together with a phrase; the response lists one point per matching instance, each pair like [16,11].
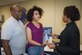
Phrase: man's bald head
[14,6]
[15,11]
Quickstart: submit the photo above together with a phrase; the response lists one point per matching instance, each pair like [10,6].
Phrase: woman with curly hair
[34,31]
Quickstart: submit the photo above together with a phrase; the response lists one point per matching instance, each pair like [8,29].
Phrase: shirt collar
[14,19]
[69,23]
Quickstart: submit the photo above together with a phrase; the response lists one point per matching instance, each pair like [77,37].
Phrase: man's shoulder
[8,22]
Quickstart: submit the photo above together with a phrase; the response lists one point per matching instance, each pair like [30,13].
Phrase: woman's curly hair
[31,12]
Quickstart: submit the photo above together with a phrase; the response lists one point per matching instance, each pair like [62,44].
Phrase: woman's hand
[55,36]
[55,39]
[46,43]
[51,46]
[43,45]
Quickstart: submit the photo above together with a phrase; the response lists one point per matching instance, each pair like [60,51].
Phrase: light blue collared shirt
[14,31]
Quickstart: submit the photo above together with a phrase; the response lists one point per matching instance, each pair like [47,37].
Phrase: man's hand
[6,47]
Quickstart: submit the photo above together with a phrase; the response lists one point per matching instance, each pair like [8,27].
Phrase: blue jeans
[35,50]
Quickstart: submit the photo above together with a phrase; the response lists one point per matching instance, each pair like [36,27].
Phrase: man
[0,37]
[13,33]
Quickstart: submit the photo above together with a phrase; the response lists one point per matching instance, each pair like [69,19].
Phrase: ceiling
[6,2]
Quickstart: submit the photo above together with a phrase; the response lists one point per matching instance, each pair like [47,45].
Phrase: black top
[0,44]
[70,40]
[0,48]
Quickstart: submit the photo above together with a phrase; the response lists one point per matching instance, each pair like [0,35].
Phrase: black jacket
[0,44]
[70,40]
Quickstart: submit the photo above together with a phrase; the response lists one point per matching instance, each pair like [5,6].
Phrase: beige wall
[5,11]
[81,23]
[53,12]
